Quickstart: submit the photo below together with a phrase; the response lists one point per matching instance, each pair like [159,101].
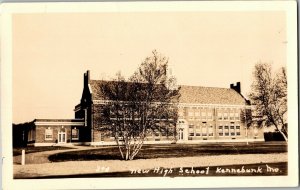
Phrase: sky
[51,52]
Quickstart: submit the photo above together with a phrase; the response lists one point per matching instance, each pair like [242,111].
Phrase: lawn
[173,150]
[32,149]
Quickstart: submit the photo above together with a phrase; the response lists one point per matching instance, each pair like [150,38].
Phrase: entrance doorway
[180,135]
[62,137]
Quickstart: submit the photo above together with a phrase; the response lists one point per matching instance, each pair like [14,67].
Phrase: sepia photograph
[149,94]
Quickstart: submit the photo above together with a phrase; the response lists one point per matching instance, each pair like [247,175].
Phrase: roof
[210,95]
[96,89]
[190,94]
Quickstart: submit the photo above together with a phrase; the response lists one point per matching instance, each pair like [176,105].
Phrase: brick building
[206,114]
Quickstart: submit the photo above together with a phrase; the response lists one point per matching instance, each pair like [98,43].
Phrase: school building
[206,114]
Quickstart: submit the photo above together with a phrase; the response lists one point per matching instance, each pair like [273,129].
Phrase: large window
[232,131]
[210,131]
[198,130]
[180,113]
[209,115]
[225,116]
[75,134]
[220,115]
[156,132]
[238,130]
[221,131]
[163,131]
[204,130]
[149,133]
[191,130]
[231,115]
[203,114]
[226,130]
[237,115]
[229,130]
[49,134]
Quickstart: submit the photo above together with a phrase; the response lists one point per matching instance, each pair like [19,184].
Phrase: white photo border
[8,9]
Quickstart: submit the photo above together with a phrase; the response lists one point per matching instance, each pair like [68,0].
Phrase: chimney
[86,77]
[236,87]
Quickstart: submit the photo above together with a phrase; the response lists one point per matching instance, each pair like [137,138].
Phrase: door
[180,137]
[62,137]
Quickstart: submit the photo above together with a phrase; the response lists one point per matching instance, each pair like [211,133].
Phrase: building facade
[206,114]
[54,132]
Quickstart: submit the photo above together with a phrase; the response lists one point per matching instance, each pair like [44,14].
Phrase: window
[209,115]
[75,134]
[197,113]
[210,131]
[220,117]
[49,134]
[112,134]
[225,116]
[149,133]
[180,114]
[203,114]
[232,131]
[191,130]
[238,130]
[101,137]
[231,115]
[226,130]
[237,115]
[156,132]
[30,135]
[221,132]
[204,131]
[163,131]
[198,131]
[191,114]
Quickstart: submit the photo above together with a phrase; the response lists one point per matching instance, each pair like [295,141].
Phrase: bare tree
[145,103]
[269,95]
[246,118]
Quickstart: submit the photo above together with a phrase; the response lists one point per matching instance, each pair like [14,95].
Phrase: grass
[173,150]
[32,149]
[181,172]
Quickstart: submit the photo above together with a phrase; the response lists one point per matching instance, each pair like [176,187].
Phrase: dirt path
[88,167]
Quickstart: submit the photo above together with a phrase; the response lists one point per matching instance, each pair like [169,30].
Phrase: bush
[273,136]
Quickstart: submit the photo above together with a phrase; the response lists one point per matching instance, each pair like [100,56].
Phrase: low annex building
[50,132]
[206,114]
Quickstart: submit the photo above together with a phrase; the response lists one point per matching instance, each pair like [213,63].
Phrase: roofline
[180,104]
[179,85]
[59,122]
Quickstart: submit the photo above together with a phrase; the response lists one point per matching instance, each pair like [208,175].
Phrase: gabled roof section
[190,94]
[210,95]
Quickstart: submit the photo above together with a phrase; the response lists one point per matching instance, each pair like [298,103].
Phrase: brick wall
[40,133]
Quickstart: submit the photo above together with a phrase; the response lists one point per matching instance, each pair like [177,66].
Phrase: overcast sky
[52,51]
